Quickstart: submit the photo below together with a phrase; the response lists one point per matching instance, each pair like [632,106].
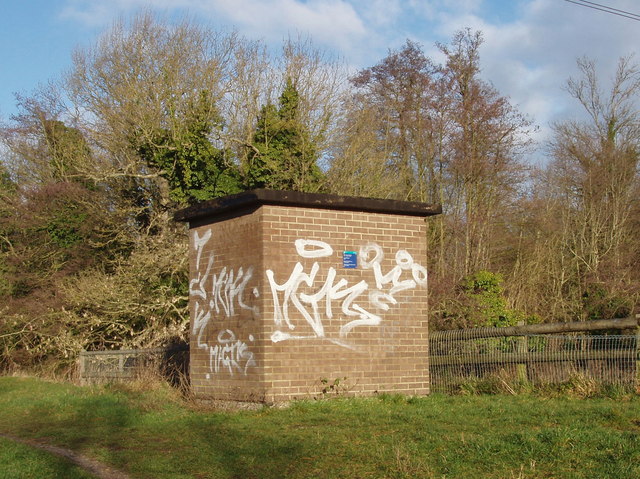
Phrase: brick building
[293,294]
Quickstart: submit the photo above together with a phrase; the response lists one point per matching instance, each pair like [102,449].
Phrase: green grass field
[153,433]
[18,461]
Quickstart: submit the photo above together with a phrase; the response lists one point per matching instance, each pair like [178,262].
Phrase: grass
[153,433]
[18,461]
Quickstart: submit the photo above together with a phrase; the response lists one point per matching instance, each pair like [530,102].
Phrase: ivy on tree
[68,151]
[486,303]
[195,169]
[284,155]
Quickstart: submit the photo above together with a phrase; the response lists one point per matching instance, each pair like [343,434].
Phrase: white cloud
[382,13]
[530,57]
[334,23]
[530,46]
[330,22]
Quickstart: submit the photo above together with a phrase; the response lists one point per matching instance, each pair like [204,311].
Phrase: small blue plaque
[349,259]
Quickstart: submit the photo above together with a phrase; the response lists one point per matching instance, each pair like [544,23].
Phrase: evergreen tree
[195,169]
[284,155]
[263,165]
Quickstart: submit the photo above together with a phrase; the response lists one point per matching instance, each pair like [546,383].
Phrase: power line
[605,8]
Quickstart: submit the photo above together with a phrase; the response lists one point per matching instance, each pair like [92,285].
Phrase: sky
[530,46]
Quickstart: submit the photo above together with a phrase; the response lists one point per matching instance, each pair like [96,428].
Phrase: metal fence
[533,355]
[466,358]
[172,363]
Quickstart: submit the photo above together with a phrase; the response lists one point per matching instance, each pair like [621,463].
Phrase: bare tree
[145,78]
[398,94]
[487,136]
[438,134]
[595,165]
[149,111]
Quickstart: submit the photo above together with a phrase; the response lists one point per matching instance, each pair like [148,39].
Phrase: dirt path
[96,468]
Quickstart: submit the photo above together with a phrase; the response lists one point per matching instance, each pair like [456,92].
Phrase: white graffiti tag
[230,354]
[404,262]
[219,294]
[197,284]
[322,248]
[229,289]
[316,306]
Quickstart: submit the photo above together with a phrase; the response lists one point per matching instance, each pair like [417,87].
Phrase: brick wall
[378,343]
[226,343]
[276,315]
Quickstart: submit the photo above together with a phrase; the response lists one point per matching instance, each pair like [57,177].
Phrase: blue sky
[530,46]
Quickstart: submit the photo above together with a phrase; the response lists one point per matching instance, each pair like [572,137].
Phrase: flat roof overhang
[252,199]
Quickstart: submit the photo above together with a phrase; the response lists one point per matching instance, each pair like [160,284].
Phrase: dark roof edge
[250,198]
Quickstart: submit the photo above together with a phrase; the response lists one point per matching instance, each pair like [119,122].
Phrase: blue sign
[349,259]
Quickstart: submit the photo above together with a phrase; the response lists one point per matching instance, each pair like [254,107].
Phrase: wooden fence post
[522,348]
[638,353]
[83,367]
[624,354]
[121,365]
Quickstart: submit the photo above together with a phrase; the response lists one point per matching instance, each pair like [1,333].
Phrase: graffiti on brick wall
[220,295]
[231,354]
[302,303]
[355,302]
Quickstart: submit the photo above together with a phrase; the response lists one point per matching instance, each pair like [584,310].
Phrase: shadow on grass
[149,434]
[216,445]
[19,461]
[154,434]
[65,416]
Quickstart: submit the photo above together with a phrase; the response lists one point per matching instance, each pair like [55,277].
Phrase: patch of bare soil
[96,468]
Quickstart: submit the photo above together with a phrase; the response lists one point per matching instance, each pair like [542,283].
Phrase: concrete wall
[276,315]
